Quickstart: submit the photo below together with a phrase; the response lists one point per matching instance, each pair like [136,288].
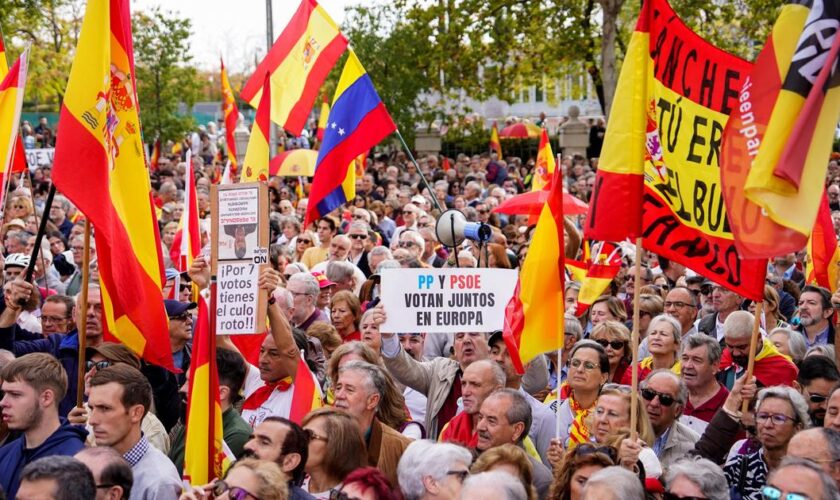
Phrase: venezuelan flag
[358,121]
[298,63]
[100,166]
[495,144]
[255,164]
[231,116]
[823,253]
[18,161]
[534,315]
[205,454]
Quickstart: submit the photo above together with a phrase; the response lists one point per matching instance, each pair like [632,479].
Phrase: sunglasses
[817,398]
[358,236]
[615,344]
[664,399]
[234,492]
[590,449]
[181,317]
[773,493]
[301,240]
[99,365]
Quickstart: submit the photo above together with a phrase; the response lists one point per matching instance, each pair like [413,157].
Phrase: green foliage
[164,76]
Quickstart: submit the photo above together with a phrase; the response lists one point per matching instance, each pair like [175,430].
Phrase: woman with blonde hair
[614,337]
[663,341]
[336,448]
[577,465]
[327,335]
[246,478]
[345,314]
[511,459]
[304,241]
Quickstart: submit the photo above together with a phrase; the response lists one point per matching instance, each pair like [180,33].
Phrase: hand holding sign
[378,316]
[269,280]
[199,272]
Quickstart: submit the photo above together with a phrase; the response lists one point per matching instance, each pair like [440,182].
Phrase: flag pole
[40,250]
[634,342]
[83,305]
[422,177]
[759,306]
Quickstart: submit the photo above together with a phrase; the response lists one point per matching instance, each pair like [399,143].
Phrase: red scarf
[459,430]
[258,397]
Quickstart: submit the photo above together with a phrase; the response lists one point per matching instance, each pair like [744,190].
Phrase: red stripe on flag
[323,65]
[304,393]
[613,194]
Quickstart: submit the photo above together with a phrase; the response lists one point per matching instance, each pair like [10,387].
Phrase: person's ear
[373,401]
[290,462]
[431,485]
[518,429]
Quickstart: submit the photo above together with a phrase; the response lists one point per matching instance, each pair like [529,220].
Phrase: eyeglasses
[675,304]
[615,344]
[817,398]
[358,217]
[773,493]
[99,365]
[776,418]
[407,244]
[181,317]
[53,319]
[315,437]
[234,492]
[358,236]
[673,496]
[590,449]
[462,475]
[587,365]
[301,240]
[664,399]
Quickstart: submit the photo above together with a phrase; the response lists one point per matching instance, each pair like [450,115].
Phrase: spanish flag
[298,63]
[544,168]
[100,166]
[18,160]
[206,456]
[495,144]
[823,253]
[534,315]
[255,164]
[231,114]
[358,121]
[322,119]
[11,100]
[778,140]
[186,245]
[155,157]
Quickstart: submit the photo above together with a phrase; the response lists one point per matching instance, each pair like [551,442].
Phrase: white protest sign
[236,297]
[445,300]
[39,157]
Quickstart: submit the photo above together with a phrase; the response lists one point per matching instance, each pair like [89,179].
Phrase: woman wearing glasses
[336,449]
[588,371]
[304,241]
[663,340]
[247,479]
[780,413]
[614,338]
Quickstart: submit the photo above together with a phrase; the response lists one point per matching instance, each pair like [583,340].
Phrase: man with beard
[285,443]
[236,432]
[817,377]
[33,386]
[815,311]
[771,367]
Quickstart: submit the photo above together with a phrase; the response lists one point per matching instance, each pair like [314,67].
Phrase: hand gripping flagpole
[759,306]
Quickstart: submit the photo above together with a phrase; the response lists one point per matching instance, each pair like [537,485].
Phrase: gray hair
[623,484]
[571,326]
[379,252]
[388,264]
[503,486]
[340,271]
[426,458]
[682,390]
[364,226]
[281,294]
[374,379]
[498,374]
[673,323]
[822,350]
[300,266]
[519,411]
[73,480]
[792,396]
[309,283]
[796,343]
[738,325]
[466,254]
[413,236]
[829,487]
[832,437]
[703,473]
[698,339]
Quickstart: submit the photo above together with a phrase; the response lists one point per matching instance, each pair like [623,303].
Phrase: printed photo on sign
[238,223]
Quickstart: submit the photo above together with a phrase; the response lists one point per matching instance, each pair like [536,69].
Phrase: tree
[164,77]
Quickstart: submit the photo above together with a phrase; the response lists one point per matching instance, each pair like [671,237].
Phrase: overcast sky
[234,29]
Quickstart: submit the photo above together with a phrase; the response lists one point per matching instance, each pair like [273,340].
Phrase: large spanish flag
[823,264]
[534,315]
[100,166]
[11,101]
[298,63]
[778,140]
[495,143]
[358,121]
[205,455]
[231,114]
[18,160]
[255,164]
[186,245]
[659,176]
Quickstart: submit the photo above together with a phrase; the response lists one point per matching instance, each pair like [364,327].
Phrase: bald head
[738,325]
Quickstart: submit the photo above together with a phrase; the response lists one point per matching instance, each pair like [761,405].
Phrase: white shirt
[279,403]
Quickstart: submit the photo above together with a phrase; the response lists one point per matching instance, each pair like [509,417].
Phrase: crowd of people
[413,415]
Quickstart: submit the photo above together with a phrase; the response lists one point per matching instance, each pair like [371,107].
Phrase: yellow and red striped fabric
[186,245]
[205,457]
[100,166]
[495,144]
[323,119]
[255,165]
[298,63]
[231,114]
[534,315]
[823,264]
[18,159]
[11,101]
[778,139]
[545,166]
[154,159]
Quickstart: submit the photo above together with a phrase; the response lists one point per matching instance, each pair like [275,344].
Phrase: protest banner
[39,157]
[239,251]
[446,300]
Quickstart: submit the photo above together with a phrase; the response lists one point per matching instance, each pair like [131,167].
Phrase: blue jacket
[67,440]
[65,348]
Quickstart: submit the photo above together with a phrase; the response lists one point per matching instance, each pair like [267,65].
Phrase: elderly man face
[798,480]
[679,304]
[811,444]
[660,390]
[408,242]
[493,427]
[725,301]
[358,237]
[339,248]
